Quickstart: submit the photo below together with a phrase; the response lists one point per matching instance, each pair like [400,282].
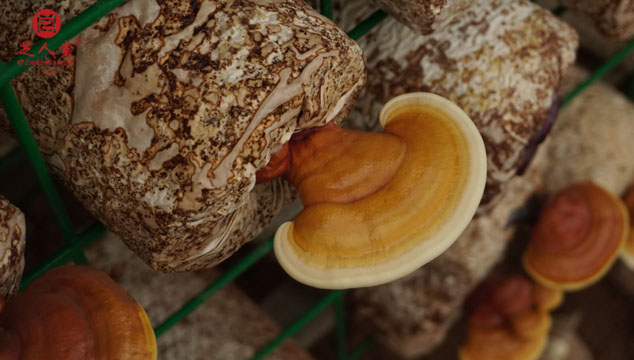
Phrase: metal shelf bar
[12,107]
[299,323]
[340,328]
[325,7]
[366,25]
[610,64]
[366,345]
[223,280]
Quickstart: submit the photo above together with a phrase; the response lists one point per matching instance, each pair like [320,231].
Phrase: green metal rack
[76,242]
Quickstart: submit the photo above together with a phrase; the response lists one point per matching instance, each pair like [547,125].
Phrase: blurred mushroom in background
[509,318]
[580,233]
[75,312]
[580,148]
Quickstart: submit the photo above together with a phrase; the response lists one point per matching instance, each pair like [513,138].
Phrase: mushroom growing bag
[613,18]
[171,108]
[12,242]
[424,16]
[500,61]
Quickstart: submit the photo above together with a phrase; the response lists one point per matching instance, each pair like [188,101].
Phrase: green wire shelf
[76,242]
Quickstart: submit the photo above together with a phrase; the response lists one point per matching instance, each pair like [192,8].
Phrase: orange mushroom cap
[577,238]
[75,313]
[379,206]
[509,319]
[628,251]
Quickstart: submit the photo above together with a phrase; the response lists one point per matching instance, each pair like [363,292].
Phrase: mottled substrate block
[613,18]
[173,107]
[500,61]
[12,242]
[593,41]
[592,139]
[424,16]
[226,326]
[412,315]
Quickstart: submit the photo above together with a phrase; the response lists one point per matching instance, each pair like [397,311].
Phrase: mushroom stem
[332,164]
[276,167]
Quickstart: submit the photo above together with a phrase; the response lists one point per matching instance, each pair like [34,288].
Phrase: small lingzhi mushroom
[75,313]
[379,206]
[577,238]
[628,250]
[509,319]
[12,242]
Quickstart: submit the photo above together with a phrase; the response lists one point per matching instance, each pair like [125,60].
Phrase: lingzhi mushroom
[578,236]
[378,206]
[75,313]
[509,319]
